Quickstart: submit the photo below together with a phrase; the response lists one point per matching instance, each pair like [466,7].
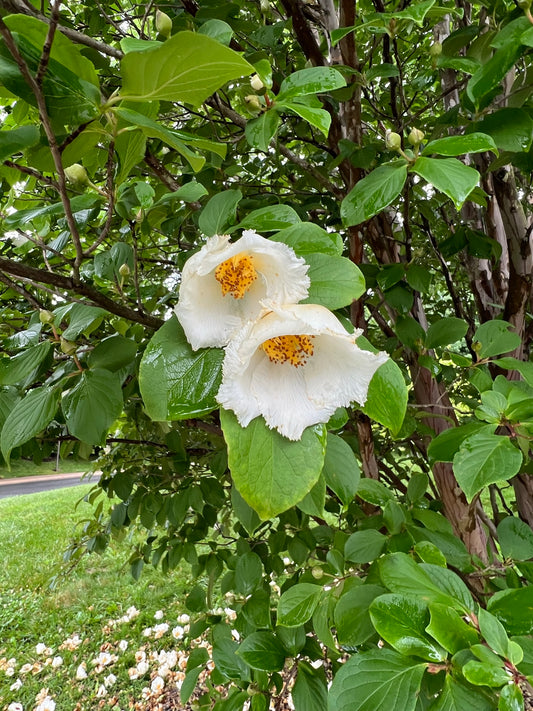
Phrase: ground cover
[98,639]
[24,467]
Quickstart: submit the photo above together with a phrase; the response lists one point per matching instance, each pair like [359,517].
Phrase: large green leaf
[310,690]
[319,118]
[269,219]
[484,459]
[341,468]
[494,338]
[459,145]
[17,140]
[352,616]
[306,238]
[175,381]
[219,213]
[315,80]
[248,573]
[92,405]
[188,67]
[445,331]
[17,370]
[491,73]
[449,175]
[449,629]
[379,680]
[113,353]
[29,416]
[335,281]
[297,604]
[263,651]
[444,447]
[511,129]
[515,538]
[514,609]
[271,472]
[386,401]
[458,697]
[374,193]
[261,130]
[401,621]
[23,217]
[364,546]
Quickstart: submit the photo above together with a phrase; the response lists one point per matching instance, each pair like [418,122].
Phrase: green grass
[34,532]
[23,467]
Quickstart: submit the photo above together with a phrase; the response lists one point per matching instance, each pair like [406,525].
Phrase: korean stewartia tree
[387,149]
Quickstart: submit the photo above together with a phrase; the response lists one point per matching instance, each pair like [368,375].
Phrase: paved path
[34,484]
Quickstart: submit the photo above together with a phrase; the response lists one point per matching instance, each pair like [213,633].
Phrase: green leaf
[364,546]
[484,459]
[297,604]
[374,193]
[401,621]
[228,662]
[450,583]
[319,118]
[175,381]
[458,697]
[23,217]
[188,68]
[511,698]
[315,80]
[495,338]
[511,129]
[246,515]
[335,281]
[17,140]
[261,130]
[269,219]
[263,651]
[219,213]
[491,73]
[387,397]
[525,368]
[92,405]
[175,139]
[309,692]
[379,680]
[82,319]
[19,369]
[374,492]
[493,633]
[341,468]
[460,145]
[218,30]
[113,353]
[419,278]
[402,575]
[449,175]
[352,616]
[445,331]
[306,238]
[248,573]
[483,674]
[314,501]
[29,416]
[272,473]
[515,538]
[444,447]
[449,629]
[514,609]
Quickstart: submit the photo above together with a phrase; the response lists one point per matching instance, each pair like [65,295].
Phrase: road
[34,484]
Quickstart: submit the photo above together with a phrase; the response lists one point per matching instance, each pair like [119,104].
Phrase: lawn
[99,639]
[24,467]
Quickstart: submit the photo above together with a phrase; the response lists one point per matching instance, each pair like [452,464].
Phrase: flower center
[236,275]
[289,349]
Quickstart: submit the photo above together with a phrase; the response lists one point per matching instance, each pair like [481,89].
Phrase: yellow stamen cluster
[236,275]
[292,349]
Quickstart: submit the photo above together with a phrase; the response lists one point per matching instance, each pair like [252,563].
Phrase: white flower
[178,632]
[157,685]
[123,645]
[57,662]
[110,680]
[101,692]
[142,668]
[81,672]
[159,614]
[160,630]
[16,685]
[15,706]
[295,365]
[47,704]
[40,648]
[184,619]
[222,285]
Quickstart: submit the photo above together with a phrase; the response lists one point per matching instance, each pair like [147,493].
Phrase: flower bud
[416,137]
[76,174]
[256,82]
[524,4]
[124,270]
[68,347]
[317,572]
[393,141]
[163,23]
[253,102]
[435,50]
[265,6]
[46,316]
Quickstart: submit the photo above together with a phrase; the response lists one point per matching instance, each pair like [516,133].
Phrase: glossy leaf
[297,604]
[319,118]
[341,468]
[514,609]
[92,405]
[445,331]
[175,381]
[248,573]
[309,692]
[263,651]
[449,175]
[495,338]
[271,472]
[511,129]
[188,67]
[307,238]
[374,193]
[269,219]
[261,130]
[219,213]
[113,353]
[17,140]
[364,546]
[335,281]
[17,370]
[456,696]
[387,397]
[313,80]
[352,616]
[449,629]
[515,538]
[460,145]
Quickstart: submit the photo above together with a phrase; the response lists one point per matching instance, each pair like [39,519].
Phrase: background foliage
[390,141]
